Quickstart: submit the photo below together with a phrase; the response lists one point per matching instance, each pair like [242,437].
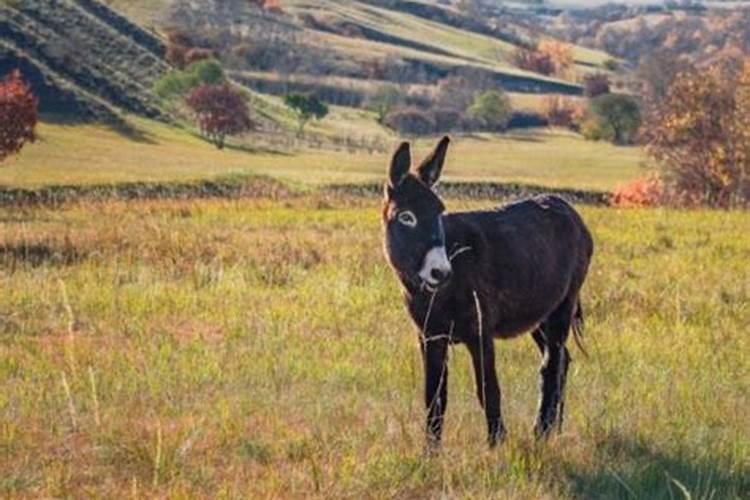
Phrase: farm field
[184,349]
[93,154]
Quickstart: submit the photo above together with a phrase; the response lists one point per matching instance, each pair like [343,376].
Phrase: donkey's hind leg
[550,337]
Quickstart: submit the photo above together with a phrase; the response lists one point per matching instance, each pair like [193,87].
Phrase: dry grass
[184,349]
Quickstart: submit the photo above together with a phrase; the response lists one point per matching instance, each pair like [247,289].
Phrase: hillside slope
[81,57]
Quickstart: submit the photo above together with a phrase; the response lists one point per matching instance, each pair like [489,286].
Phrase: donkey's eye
[407,218]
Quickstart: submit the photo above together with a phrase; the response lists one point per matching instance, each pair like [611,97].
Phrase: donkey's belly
[513,321]
[510,329]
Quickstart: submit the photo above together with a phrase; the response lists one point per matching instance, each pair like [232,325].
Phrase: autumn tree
[220,112]
[533,60]
[18,114]
[560,53]
[562,111]
[700,134]
[305,108]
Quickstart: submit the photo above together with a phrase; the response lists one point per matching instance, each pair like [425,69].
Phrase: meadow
[259,348]
[67,154]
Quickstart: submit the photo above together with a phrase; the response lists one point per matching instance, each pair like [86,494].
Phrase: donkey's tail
[577,325]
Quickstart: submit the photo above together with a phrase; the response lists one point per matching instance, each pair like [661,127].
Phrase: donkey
[468,277]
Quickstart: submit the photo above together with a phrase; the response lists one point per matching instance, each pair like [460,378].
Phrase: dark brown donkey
[469,277]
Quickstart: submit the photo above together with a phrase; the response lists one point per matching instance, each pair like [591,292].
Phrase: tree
[220,112]
[18,114]
[384,100]
[305,107]
[491,109]
[617,112]
[560,53]
[533,60]
[595,84]
[700,135]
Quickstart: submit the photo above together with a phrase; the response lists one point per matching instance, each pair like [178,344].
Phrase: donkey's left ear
[429,170]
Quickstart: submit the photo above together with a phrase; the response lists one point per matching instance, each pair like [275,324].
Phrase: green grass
[184,349]
[92,154]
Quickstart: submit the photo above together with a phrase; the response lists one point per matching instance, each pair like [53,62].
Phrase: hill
[82,58]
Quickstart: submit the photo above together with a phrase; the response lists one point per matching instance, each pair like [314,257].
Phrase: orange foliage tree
[18,114]
[700,134]
[560,53]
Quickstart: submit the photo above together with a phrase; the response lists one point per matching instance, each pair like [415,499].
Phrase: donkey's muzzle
[436,268]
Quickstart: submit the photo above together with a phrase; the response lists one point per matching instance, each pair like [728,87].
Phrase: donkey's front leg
[488,389]
[435,354]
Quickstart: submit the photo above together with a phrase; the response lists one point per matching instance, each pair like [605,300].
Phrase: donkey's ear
[400,165]
[429,170]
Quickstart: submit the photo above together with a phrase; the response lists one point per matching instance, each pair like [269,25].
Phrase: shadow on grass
[115,123]
[631,469]
[244,148]
[14,255]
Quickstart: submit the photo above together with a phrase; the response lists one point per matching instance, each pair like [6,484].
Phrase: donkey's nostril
[439,275]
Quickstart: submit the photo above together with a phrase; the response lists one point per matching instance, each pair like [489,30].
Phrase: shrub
[491,110]
[562,111]
[177,83]
[594,128]
[595,84]
[220,112]
[305,107]
[410,121]
[18,114]
[447,120]
[532,60]
[611,65]
[619,114]
[644,192]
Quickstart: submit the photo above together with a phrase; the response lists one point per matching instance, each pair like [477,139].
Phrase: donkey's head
[412,217]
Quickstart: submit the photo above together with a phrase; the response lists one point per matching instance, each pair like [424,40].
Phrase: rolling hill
[82,58]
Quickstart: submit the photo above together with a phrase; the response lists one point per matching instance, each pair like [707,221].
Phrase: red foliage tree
[220,112]
[18,114]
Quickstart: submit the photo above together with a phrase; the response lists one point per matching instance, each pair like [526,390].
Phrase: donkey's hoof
[497,437]
[542,431]
[432,446]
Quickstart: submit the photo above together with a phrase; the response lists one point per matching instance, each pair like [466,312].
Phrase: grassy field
[92,154]
[184,349]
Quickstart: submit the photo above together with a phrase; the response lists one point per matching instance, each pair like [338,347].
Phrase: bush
[618,116]
[491,110]
[595,84]
[177,83]
[611,65]
[18,114]
[410,121]
[644,192]
[594,128]
[447,120]
[562,111]
[532,60]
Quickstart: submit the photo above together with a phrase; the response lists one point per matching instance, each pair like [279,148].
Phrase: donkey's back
[526,258]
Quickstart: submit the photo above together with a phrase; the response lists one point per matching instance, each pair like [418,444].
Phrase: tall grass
[259,348]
